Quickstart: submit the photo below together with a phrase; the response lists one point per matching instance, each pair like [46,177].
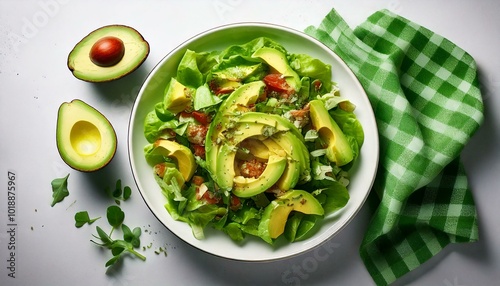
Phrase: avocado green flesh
[272,120]
[249,187]
[227,152]
[297,153]
[244,95]
[136,52]
[183,157]
[338,150]
[253,148]
[236,74]
[276,213]
[86,140]
[176,99]
[280,137]
[291,174]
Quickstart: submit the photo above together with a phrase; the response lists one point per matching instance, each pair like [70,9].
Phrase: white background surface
[35,39]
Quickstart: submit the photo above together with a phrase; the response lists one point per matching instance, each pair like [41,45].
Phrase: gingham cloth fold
[427,103]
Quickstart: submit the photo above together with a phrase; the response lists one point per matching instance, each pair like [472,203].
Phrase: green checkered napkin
[424,92]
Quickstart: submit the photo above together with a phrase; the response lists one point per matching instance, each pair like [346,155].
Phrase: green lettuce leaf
[155,128]
[203,98]
[307,66]
[250,47]
[188,72]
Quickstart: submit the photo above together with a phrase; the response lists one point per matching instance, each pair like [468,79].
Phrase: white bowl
[216,242]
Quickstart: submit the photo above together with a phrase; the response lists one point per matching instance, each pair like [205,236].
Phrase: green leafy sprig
[119,247]
[82,217]
[118,193]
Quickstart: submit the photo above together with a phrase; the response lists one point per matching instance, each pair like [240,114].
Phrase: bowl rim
[252,24]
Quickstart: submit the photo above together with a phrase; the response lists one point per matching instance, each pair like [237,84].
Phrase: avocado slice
[240,98]
[86,140]
[254,149]
[275,135]
[240,186]
[225,171]
[298,160]
[237,73]
[183,157]
[176,97]
[291,174]
[338,150]
[244,130]
[279,62]
[249,187]
[108,53]
[273,120]
[276,214]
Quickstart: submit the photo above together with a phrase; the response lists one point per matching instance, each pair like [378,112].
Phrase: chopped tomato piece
[207,196]
[317,84]
[197,180]
[160,169]
[199,150]
[277,82]
[201,117]
[252,168]
[235,203]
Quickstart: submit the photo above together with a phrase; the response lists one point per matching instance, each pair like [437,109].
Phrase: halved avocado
[98,57]
[86,140]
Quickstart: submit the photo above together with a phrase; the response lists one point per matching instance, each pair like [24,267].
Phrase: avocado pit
[107,51]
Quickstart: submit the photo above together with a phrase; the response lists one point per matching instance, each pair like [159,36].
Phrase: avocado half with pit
[108,53]
[85,138]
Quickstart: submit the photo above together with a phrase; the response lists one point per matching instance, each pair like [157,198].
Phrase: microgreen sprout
[119,247]
[118,193]
[82,217]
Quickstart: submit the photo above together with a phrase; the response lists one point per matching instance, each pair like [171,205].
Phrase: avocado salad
[253,140]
